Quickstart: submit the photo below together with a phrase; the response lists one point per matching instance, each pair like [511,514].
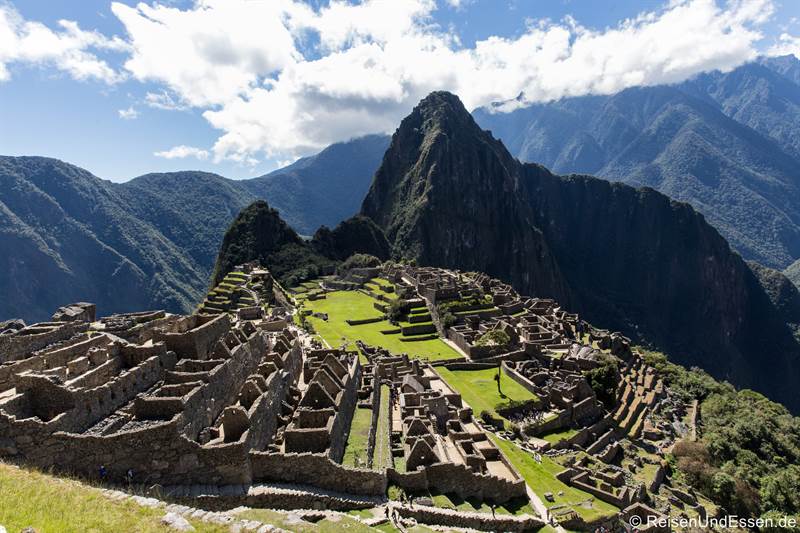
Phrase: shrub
[448,319]
[396,493]
[395,311]
[604,380]
[495,337]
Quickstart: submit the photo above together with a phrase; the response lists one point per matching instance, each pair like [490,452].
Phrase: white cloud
[164,100]
[182,152]
[281,79]
[371,74]
[128,114]
[787,44]
[211,53]
[66,49]
[458,4]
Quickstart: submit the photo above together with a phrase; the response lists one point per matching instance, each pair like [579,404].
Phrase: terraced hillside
[360,315]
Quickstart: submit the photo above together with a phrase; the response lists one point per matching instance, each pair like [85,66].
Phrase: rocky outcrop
[259,234]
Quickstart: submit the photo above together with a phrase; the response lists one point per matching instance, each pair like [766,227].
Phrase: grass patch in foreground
[479,388]
[46,503]
[541,478]
[343,305]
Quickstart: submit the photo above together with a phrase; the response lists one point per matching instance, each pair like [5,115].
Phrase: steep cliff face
[653,267]
[449,194]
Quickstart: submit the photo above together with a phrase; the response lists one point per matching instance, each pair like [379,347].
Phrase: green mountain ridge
[149,242]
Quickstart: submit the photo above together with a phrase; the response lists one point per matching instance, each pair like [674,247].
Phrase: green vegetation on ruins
[355,454]
[541,477]
[292,522]
[747,458]
[382,456]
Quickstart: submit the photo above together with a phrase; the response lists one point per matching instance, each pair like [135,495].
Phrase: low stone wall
[344,415]
[418,329]
[317,470]
[658,479]
[511,372]
[35,337]
[469,366]
[601,442]
[58,356]
[449,478]
[362,321]
[477,521]
[561,420]
[278,496]
[431,337]
[198,342]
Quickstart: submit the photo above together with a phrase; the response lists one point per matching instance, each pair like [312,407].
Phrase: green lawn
[556,436]
[382,457]
[479,389]
[355,454]
[541,477]
[383,282]
[45,503]
[343,305]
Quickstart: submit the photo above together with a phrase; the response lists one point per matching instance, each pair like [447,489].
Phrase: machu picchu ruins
[394,388]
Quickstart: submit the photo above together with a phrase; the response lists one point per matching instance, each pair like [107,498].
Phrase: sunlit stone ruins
[486,418]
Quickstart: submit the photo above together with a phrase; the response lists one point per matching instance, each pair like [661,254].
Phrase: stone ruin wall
[74,424]
[35,337]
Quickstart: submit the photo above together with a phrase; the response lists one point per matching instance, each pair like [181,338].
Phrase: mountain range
[727,143]
[150,242]
[446,192]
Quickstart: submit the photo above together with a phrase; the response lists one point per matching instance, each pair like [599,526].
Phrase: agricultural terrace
[561,434]
[343,305]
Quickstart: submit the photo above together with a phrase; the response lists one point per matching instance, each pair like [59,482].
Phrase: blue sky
[251,85]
